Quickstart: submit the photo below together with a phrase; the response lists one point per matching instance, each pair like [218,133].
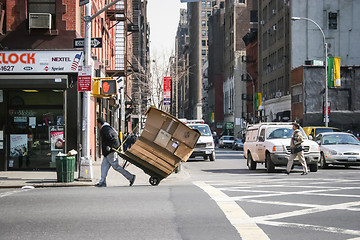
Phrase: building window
[203,52]
[203,43]
[297,96]
[208,13]
[203,23]
[43,6]
[203,14]
[332,20]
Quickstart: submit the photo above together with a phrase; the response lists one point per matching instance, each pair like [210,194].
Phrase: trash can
[65,168]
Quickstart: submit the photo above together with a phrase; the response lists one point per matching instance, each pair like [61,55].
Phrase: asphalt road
[218,200]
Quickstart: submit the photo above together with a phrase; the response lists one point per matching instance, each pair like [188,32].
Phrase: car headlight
[332,152]
[210,144]
[314,148]
[278,148]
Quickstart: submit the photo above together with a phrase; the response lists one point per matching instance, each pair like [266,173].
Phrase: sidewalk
[37,179]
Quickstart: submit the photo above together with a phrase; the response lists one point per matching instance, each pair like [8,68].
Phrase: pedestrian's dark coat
[109,138]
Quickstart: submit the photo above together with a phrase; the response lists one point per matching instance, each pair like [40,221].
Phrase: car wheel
[313,167]
[212,157]
[270,167]
[323,163]
[205,157]
[250,162]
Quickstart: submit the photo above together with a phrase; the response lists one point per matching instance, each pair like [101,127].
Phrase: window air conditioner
[40,20]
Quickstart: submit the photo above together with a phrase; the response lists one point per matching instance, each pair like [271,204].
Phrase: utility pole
[85,171]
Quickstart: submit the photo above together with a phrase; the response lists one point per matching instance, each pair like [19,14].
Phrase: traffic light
[108,87]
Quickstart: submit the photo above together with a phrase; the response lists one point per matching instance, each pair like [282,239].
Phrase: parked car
[226,141]
[269,143]
[238,144]
[205,146]
[314,131]
[338,149]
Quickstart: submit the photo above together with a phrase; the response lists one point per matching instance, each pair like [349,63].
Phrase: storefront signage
[39,61]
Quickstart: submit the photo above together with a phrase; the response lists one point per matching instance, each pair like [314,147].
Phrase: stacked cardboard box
[164,142]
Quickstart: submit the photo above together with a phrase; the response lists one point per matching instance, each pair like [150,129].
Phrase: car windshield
[204,129]
[340,139]
[322,130]
[228,138]
[281,132]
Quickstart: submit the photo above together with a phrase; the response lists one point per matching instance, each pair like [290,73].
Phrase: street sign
[83,2]
[84,79]
[95,42]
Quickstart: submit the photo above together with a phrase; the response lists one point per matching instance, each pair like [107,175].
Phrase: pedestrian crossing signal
[108,87]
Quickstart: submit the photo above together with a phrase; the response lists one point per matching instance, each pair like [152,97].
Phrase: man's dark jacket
[108,138]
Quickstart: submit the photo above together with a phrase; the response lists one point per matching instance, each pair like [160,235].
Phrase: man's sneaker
[100,185]
[132,180]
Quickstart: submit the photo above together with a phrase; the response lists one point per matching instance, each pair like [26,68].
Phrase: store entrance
[35,128]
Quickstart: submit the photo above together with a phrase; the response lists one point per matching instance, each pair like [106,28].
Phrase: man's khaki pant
[301,159]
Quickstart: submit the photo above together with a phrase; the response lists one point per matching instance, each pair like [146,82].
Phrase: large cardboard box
[172,145]
[150,132]
[164,142]
[151,158]
[155,118]
[183,152]
[162,138]
[186,135]
[170,125]
[159,152]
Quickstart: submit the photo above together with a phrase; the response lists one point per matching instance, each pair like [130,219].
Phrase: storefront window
[36,128]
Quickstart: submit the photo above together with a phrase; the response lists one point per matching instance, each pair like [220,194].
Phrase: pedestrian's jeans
[111,160]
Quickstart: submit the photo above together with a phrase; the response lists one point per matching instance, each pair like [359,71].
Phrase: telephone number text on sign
[6,68]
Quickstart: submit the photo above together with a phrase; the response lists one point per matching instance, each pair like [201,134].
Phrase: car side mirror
[311,137]
[261,138]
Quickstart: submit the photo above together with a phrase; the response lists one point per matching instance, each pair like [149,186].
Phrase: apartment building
[40,96]
[286,45]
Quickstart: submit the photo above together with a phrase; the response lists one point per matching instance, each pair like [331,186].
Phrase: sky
[163,16]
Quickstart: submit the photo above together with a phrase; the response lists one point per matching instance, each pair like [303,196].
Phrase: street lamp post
[326,66]
[253,87]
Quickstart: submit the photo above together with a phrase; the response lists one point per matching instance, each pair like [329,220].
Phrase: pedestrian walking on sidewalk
[109,142]
[296,149]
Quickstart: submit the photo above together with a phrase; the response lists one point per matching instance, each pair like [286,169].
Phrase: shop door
[35,128]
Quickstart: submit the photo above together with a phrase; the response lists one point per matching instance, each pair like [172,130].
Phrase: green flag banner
[331,72]
[258,100]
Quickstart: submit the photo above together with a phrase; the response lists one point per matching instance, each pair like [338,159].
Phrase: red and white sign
[84,79]
[39,61]
[167,90]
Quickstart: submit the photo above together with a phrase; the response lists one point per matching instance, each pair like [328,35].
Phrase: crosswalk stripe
[245,226]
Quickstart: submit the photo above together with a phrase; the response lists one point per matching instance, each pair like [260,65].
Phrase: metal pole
[85,171]
[86,161]
[326,86]
[326,66]
[253,86]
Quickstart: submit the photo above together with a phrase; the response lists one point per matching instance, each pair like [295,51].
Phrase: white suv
[205,146]
[269,143]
